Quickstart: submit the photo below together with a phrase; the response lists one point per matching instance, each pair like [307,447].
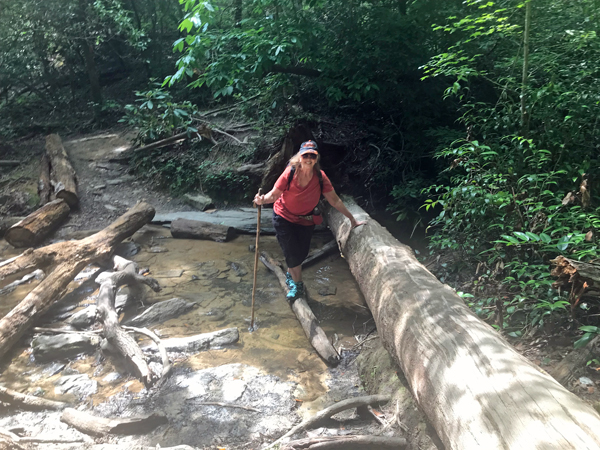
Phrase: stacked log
[38,225]
[475,389]
[62,174]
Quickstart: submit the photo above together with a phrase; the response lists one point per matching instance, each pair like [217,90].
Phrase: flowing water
[218,277]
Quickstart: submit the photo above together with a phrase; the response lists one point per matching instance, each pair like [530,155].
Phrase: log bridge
[475,389]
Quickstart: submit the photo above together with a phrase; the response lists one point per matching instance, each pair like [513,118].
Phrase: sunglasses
[309,156]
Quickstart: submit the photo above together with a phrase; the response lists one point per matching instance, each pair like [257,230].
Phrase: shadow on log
[475,389]
[308,321]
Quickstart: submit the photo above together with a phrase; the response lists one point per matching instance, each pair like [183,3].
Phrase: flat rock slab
[77,384]
[200,342]
[243,220]
[162,311]
[173,273]
[63,346]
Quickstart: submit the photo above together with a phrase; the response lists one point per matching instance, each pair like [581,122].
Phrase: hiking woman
[296,195]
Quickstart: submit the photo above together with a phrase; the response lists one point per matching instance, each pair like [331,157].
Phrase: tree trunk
[195,229]
[308,321]
[38,225]
[69,258]
[7,222]
[63,174]
[475,389]
[44,185]
[525,75]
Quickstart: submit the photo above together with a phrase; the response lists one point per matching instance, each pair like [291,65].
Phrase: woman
[296,194]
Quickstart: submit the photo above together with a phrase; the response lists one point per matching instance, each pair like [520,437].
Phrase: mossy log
[475,389]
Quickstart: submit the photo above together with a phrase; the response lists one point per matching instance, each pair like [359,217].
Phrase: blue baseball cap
[309,147]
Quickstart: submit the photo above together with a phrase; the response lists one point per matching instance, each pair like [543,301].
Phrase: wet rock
[199,342]
[234,279]
[63,346]
[162,311]
[53,369]
[158,249]
[328,290]
[84,318]
[112,377]
[111,207]
[79,385]
[174,273]
[127,249]
[239,269]
[199,201]
[215,315]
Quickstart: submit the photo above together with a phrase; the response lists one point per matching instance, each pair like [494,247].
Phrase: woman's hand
[355,223]
[259,199]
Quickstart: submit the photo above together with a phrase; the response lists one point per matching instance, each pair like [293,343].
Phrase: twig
[63,330]
[230,136]
[228,405]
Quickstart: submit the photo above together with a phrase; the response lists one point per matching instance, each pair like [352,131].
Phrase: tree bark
[195,229]
[63,175]
[7,222]
[475,389]
[308,321]
[44,185]
[38,225]
[100,426]
[68,258]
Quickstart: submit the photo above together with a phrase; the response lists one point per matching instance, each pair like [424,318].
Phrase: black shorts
[294,239]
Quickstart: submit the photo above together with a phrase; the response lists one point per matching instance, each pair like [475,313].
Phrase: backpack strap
[291,177]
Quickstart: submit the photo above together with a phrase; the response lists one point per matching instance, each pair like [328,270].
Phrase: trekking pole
[255,261]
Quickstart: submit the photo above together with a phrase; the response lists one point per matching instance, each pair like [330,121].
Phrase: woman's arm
[270,197]
[338,204]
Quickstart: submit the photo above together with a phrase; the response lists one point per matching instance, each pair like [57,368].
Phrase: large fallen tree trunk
[62,174]
[195,229]
[476,390]
[315,334]
[68,259]
[38,225]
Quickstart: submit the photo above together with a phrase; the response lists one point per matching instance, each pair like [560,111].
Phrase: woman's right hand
[259,199]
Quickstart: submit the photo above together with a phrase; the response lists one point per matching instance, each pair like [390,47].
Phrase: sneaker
[296,290]
[288,279]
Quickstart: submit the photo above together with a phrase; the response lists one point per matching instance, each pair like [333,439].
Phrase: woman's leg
[296,273]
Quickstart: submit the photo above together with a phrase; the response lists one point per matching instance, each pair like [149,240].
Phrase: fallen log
[62,174]
[474,388]
[315,334]
[326,413]
[580,279]
[347,443]
[100,426]
[67,260]
[7,222]
[38,225]
[126,272]
[44,185]
[25,401]
[9,163]
[566,370]
[314,256]
[195,229]
[203,131]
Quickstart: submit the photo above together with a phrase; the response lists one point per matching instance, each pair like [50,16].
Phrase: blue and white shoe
[288,279]
[296,290]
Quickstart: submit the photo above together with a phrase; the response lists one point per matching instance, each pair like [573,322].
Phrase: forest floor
[107,190]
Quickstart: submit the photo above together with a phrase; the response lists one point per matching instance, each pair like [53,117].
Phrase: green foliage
[158,116]
[590,332]
[500,198]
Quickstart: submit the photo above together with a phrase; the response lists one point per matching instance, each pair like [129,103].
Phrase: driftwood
[25,401]
[38,225]
[314,333]
[314,256]
[347,443]
[161,348]
[44,185]
[195,229]
[126,272]
[66,259]
[326,413]
[100,426]
[474,388]
[62,174]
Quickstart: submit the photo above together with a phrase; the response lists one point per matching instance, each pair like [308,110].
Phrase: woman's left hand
[357,223]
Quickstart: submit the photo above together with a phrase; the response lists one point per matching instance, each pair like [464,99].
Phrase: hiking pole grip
[255,260]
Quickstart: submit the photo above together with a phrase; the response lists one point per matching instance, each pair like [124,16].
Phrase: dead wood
[25,401]
[315,334]
[67,260]
[347,443]
[7,222]
[9,163]
[474,388]
[62,173]
[9,441]
[38,225]
[566,370]
[126,272]
[161,349]
[195,229]
[203,131]
[316,255]
[44,185]
[326,413]
[100,426]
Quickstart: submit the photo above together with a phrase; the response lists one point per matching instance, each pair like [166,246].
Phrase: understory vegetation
[475,122]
